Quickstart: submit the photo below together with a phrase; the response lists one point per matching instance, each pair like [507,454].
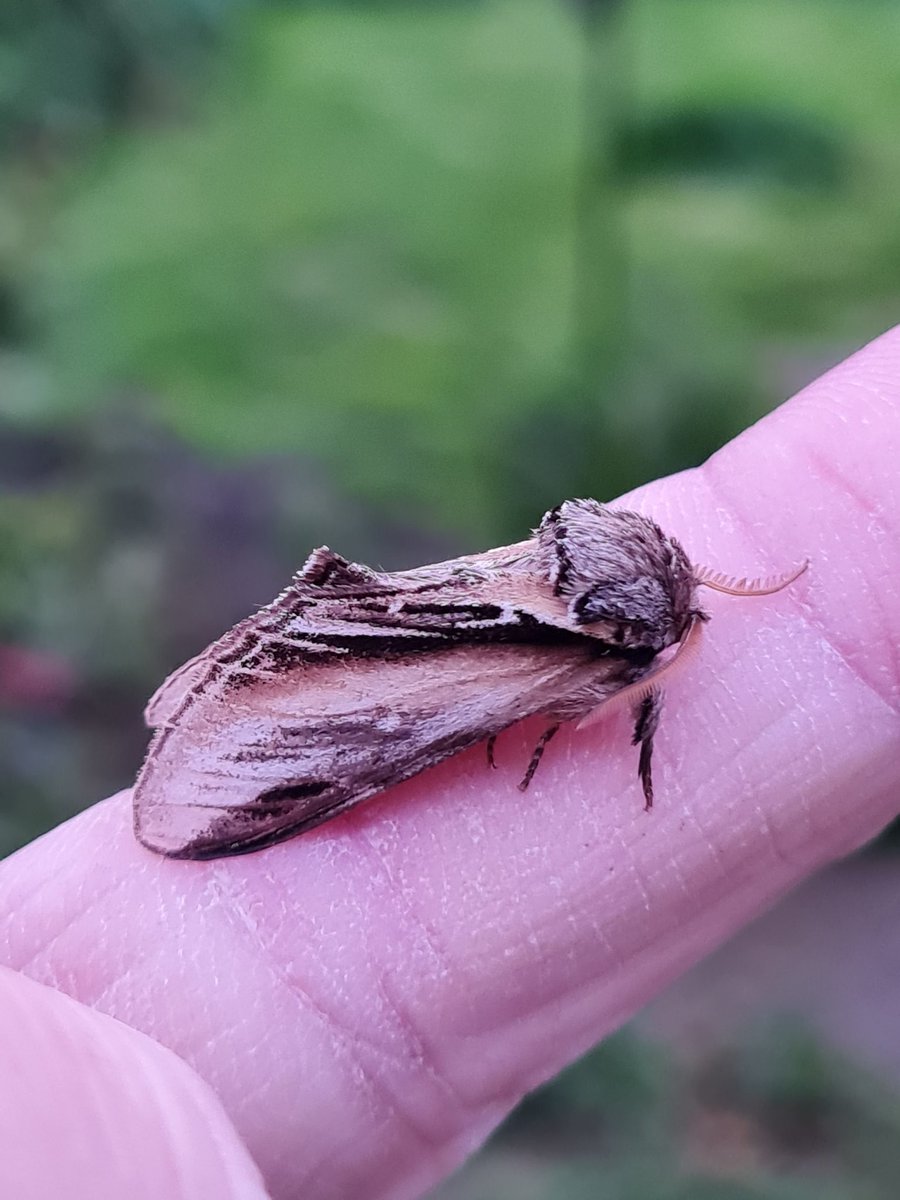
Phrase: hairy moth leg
[646,721]
[537,755]
[491,743]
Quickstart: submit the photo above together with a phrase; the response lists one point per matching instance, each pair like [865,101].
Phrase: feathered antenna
[746,587]
[634,693]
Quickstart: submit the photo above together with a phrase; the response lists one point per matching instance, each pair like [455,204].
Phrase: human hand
[369,1000]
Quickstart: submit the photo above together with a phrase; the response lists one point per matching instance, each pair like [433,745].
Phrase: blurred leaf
[365,249]
[753,144]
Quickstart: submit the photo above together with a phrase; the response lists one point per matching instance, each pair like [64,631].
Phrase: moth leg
[646,721]
[491,743]
[537,755]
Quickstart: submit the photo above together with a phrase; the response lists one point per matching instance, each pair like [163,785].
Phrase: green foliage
[66,69]
[367,245]
[618,1093]
[363,249]
[777,1116]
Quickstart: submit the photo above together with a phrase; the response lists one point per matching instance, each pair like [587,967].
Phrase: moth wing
[171,693]
[323,572]
[250,763]
[324,568]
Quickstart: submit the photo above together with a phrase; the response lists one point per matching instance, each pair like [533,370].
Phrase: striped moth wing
[353,680]
[249,764]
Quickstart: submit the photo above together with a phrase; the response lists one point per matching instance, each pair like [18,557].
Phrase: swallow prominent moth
[354,679]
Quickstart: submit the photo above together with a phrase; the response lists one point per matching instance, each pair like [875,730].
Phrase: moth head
[623,580]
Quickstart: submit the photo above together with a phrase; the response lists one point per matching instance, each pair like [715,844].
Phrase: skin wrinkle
[553,999]
[28,897]
[636,876]
[611,953]
[351,1040]
[764,820]
[508,1091]
[641,884]
[423,1049]
[840,482]
[845,657]
[711,849]
[771,837]
[865,389]
[652,965]
[463,1108]
[709,842]
[425,1067]
[39,949]
[736,762]
[120,980]
[552,996]
[731,767]
[59,980]
[103,999]
[614,952]
[341,1035]
[345,1036]
[404,900]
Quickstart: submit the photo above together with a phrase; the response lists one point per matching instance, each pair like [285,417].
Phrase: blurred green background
[398,278]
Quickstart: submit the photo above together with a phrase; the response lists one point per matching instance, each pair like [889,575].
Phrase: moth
[354,679]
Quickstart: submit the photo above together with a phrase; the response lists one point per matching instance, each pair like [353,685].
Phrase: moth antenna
[732,586]
[688,649]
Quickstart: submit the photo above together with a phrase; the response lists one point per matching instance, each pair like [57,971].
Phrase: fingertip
[90,1108]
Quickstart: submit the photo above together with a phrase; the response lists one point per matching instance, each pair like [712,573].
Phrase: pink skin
[369,1000]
